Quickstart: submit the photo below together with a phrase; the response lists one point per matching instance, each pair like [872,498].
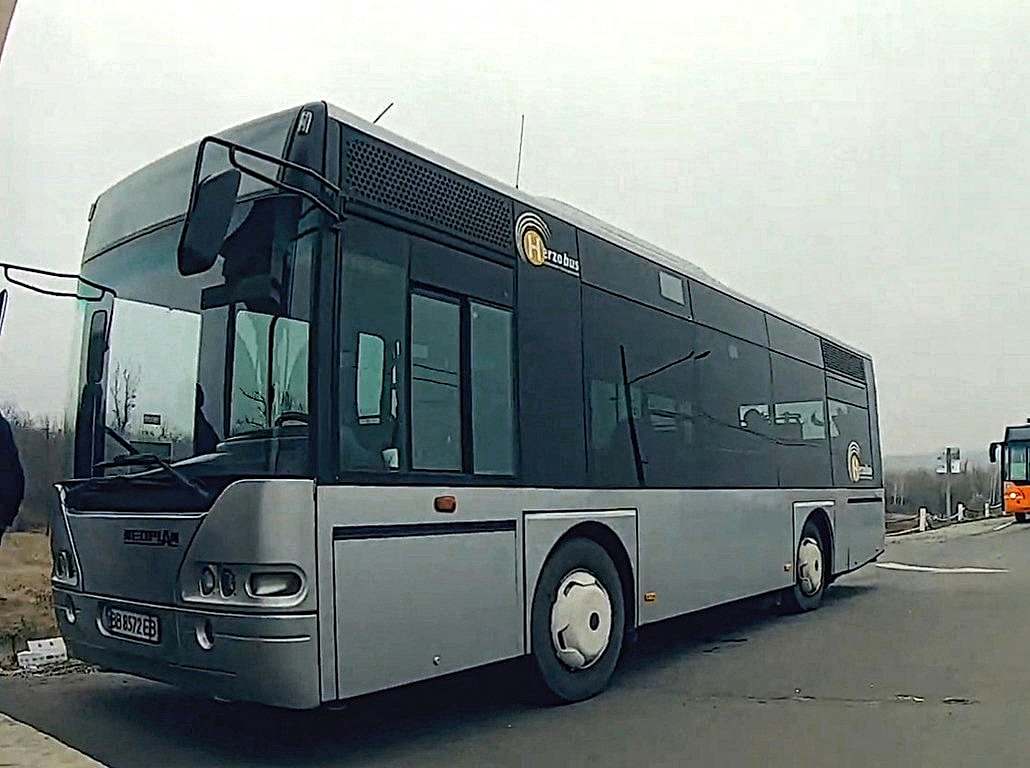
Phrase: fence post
[961,511]
[987,509]
[922,518]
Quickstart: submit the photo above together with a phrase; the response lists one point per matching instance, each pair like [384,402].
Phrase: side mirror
[3,308]
[207,221]
[994,452]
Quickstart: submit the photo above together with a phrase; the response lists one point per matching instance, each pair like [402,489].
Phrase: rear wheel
[1021,517]
[809,571]
[578,621]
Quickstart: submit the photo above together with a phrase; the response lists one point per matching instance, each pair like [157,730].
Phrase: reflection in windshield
[152,377]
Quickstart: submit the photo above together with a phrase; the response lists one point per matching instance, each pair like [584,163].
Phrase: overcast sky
[861,166]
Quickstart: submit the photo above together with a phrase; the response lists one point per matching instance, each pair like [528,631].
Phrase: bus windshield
[1016,462]
[209,370]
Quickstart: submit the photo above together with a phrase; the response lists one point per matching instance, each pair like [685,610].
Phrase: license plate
[138,626]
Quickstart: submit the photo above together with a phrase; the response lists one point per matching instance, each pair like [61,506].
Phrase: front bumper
[271,659]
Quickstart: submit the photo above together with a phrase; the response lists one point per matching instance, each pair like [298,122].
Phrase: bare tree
[122,393]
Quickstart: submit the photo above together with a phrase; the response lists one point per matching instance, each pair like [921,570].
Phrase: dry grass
[26,603]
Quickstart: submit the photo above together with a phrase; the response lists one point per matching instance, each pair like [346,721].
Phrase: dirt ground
[26,603]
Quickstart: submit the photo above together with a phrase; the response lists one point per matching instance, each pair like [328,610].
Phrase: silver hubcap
[810,566]
[581,620]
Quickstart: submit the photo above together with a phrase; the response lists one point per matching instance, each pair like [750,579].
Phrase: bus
[418,421]
[1015,482]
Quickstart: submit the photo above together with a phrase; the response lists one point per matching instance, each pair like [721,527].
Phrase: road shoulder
[22,746]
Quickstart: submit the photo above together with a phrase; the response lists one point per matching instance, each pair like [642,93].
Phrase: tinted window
[845,392]
[732,419]
[373,329]
[660,358]
[799,424]
[850,445]
[435,384]
[493,391]
[727,314]
[790,340]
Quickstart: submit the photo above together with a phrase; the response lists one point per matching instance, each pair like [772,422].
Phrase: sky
[860,166]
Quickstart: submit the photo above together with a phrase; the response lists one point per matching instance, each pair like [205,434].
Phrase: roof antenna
[383,113]
[518,164]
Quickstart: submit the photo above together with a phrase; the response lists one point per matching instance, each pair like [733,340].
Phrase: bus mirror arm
[994,452]
[203,234]
[7,267]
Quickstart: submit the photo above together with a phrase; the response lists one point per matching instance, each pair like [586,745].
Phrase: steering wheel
[298,416]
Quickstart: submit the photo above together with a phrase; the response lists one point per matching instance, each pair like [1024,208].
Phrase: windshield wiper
[135,458]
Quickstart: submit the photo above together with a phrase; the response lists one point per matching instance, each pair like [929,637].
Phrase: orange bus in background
[1015,471]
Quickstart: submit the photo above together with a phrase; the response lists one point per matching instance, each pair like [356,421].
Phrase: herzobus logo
[532,240]
[854,462]
[857,471]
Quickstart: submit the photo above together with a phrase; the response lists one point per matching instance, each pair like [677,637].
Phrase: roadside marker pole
[922,519]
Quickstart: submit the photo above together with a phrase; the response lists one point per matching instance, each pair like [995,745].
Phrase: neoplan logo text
[150,538]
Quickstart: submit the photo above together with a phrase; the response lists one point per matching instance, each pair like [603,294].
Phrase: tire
[579,587]
[1021,517]
[810,578]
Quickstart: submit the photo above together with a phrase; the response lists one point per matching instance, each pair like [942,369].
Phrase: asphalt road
[898,667]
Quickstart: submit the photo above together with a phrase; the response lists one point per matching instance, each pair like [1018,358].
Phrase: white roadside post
[922,519]
[987,509]
[961,511]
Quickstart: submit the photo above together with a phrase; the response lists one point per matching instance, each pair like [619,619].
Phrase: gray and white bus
[411,420]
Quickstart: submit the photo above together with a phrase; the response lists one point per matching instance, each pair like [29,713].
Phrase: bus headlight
[61,565]
[228,582]
[208,580]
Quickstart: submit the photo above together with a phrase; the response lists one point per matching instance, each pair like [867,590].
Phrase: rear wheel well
[822,523]
[612,544]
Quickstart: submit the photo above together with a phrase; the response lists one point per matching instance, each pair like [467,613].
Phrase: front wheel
[809,571]
[578,620]
[1021,517]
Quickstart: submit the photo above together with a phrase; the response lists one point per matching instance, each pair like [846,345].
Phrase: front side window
[270,372]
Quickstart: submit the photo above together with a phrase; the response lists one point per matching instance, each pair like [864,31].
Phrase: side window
[660,357]
[850,444]
[733,414]
[799,424]
[435,384]
[493,391]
